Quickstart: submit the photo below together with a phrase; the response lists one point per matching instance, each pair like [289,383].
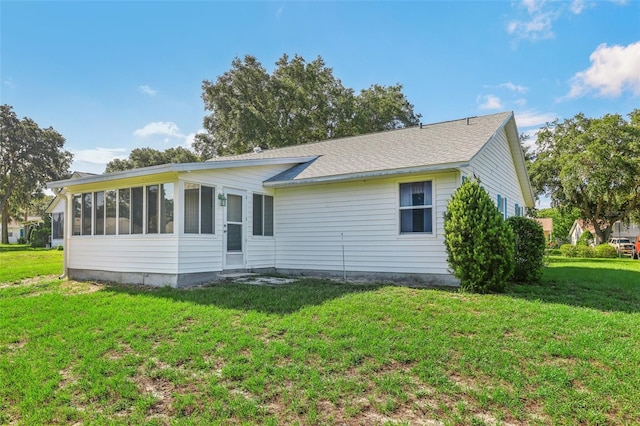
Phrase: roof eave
[366,175]
[178,167]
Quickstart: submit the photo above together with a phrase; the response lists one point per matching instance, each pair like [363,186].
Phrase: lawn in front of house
[320,352]
[18,261]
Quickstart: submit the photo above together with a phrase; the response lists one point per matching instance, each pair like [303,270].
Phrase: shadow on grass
[279,299]
[18,247]
[595,283]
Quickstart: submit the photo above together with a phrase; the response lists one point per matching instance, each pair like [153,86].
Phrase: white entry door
[234,229]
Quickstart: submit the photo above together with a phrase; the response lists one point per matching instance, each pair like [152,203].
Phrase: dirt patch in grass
[47,284]
[77,287]
[29,281]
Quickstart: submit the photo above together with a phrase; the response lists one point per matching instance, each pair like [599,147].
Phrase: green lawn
[18,262]
[317,352]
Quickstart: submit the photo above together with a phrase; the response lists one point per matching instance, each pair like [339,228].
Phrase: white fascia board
[367,175]
[179,167]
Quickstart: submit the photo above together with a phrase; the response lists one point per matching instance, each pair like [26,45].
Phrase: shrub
[586,239]
[584,251]
[568,250]
[60,248]
[21,240]
[529,249]
[553,252]
[605,251]
[480,245]
[39,237]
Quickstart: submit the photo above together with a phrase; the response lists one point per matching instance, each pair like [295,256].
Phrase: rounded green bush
[568,250]
[605,251]
[480,245]
[529,249]
[584,251]
[39,237]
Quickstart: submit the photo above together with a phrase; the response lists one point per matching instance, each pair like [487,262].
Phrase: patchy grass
[318,352]
[18,262]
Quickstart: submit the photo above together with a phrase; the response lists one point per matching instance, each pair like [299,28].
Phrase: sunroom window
[416,207]
[263,215]
[199,211]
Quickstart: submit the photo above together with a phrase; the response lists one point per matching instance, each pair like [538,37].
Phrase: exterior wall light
[223,200]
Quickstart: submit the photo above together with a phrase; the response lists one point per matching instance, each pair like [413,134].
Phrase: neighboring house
[366,206]
[622,230]
[619,230]
[15,231]
[547,226]
[578,228]
[22,228]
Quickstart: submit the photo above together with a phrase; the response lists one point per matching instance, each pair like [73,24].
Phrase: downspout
[67,234]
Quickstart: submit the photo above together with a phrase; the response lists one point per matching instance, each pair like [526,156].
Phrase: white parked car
[623,245]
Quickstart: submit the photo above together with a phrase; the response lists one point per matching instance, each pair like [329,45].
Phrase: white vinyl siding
[315,223]
[136,254]
[495,167]
[202,253]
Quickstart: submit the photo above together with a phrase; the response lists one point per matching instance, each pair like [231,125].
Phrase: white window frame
[262,215]
[432,206]
[199,211]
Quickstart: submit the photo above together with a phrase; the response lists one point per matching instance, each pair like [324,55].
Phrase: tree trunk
[5,223]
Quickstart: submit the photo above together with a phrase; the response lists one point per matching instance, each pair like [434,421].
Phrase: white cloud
[170,131]
[537,16]
[521,102]
[577,6]
[537,27]
[532,5]
[489,102]
[95,160]
[99,155]
[190,139]
[513,87]
[147,90]
[613,70]
[531,118]
[162,128]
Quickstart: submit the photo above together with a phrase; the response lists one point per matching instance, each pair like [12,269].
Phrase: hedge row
[603,251]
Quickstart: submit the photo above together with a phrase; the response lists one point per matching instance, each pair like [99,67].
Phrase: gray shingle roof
[451,142]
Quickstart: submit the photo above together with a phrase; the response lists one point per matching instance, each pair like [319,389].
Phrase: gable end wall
[495,167]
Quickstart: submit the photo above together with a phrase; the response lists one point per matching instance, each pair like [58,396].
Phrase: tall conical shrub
[529,249]
[480,245]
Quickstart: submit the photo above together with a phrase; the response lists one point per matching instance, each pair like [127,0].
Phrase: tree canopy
[299,102]
[591,164]
[563,219]
[30,157]
[145,157]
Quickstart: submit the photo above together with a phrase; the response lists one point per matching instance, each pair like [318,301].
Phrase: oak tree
[299,102]
[30,157]
[145,157]
[592,164]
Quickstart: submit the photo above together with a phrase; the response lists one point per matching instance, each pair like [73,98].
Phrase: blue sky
[113,76]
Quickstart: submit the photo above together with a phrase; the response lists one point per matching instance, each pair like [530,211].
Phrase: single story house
[547,226]
[368,206]
[619,230]
[15,230]
[578,228]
